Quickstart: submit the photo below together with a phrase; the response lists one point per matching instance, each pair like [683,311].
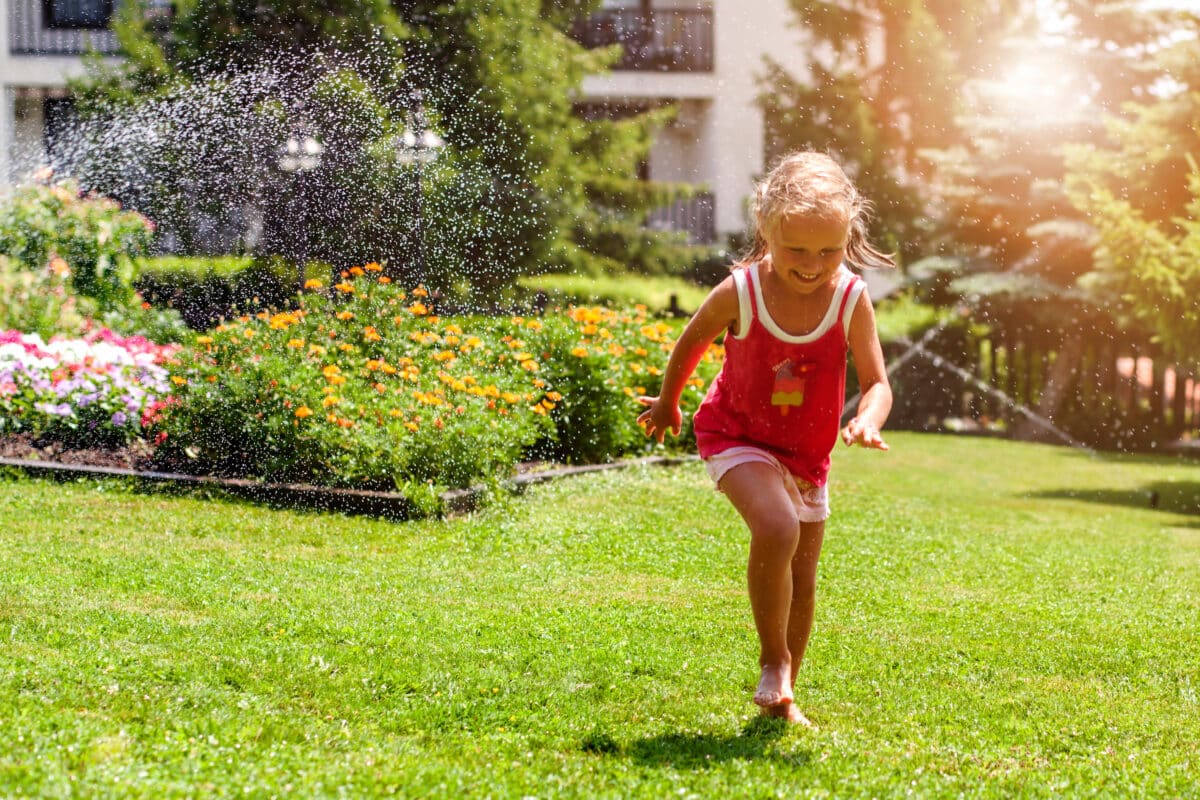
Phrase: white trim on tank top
[744,312]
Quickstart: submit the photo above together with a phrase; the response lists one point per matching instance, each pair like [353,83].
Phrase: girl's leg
[759,493]
[804,590]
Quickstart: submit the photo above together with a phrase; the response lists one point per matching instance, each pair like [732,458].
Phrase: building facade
[705,57]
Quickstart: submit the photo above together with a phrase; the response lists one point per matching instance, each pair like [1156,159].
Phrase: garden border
[389,505]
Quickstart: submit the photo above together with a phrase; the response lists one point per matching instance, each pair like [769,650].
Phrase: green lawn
[995,619]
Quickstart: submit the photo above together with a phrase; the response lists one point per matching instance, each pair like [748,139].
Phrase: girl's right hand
[657,419]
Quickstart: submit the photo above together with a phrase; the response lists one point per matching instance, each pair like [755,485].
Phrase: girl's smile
[807,249]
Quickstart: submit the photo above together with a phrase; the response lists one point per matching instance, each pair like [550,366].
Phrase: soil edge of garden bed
[389,505]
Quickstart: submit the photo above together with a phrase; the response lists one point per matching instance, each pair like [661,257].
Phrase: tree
[199,107]
[886,84]
[1141,189]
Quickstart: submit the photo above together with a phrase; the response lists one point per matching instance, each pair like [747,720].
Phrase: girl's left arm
[876,398]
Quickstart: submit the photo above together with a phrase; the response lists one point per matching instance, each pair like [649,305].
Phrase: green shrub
[68,258]
[98,240]
[205,292]
[40,301]
[366,387]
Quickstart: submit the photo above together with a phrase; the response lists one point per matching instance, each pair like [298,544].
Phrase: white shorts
[811,501]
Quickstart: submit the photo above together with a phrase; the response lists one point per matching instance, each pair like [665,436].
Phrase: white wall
[720,141]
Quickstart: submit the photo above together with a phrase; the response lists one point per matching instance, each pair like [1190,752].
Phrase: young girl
[770,420]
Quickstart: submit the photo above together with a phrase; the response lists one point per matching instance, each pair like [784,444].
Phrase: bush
[366,387]
[66,257]
[98,241]
[40,301]
[204,291]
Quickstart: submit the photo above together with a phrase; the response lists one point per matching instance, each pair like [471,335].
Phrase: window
[77,13]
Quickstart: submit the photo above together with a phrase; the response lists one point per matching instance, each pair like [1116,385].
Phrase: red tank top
[776,391]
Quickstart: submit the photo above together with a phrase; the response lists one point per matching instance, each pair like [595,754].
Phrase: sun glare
[1037,91]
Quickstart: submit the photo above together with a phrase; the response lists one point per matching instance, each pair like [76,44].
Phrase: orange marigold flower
[295,343]
[344,315]
[204,340]
[304,411]
[331,369]
[384,279]
[372,266]
[444,355]
[419,309]
[412,426]
[345,288]
[331,400]
[357,272]
[313,283]
[555,396]
[178,381]
[420,292]
[211,379]
[379,387]
[579,352]
[371,335]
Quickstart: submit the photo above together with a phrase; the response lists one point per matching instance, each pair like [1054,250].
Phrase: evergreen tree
[885,84]
[1141,190]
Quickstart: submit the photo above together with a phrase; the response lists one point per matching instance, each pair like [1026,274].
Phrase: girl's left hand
[864,434]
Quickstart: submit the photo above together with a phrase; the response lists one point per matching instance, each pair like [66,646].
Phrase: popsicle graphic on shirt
[790,378]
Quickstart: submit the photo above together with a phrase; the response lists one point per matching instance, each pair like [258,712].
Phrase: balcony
[72,27]
[657,40]
[32,30]
[693,215]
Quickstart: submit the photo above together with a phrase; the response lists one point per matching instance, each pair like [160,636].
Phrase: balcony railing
[693,215]
[29,33]
[666,40]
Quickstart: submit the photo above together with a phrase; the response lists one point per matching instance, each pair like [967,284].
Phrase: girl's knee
[778,531]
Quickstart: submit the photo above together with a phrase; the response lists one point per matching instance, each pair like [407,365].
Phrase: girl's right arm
[718,312]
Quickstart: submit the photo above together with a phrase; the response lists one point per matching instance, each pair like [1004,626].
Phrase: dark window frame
[51,19]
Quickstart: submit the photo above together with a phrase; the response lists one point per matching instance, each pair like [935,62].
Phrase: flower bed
[366,387]
[102,389]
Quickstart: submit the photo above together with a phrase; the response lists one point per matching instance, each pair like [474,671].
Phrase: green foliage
[204,291]
[1141,193]
[96,239]
[366,387]
[39,301]
[655,292]
[524,184]
[1154,268]
[66,257]
[594,639]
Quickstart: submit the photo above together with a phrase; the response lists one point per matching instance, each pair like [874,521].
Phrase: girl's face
[807,249]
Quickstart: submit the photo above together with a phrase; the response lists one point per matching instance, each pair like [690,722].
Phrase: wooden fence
[1101,390]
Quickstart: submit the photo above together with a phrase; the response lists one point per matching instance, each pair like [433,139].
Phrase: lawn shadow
[1173,497]
[698,750]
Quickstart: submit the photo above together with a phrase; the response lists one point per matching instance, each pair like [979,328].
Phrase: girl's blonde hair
[808,182]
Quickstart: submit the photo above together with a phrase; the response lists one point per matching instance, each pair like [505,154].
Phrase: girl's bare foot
[789,712]
[775,686]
